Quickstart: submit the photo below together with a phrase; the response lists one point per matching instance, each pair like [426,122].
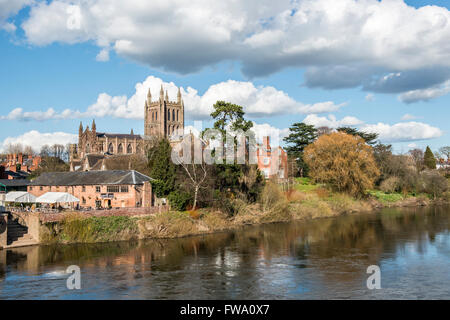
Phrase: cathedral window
[168,115]
[173,115]
[129,149]
[88,148]
[156,116]
[153,116]
[120,149]
[111,148]
[177,114]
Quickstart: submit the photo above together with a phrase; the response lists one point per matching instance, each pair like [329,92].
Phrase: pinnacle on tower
[80,131]
[149,96]
[161,93]
[94,127]
[167,96]
[132,132]
[179,95]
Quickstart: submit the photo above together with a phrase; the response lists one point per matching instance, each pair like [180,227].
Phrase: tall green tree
[300,136]
[370,138]
[429,159]
[227,114]
[162,169]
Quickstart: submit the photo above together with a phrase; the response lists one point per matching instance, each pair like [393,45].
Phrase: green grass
[386,197]
[305,185]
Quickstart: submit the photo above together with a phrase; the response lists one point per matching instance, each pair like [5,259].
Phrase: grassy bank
[303,201]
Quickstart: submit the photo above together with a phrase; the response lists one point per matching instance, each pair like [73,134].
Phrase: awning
[20,197]
[57,197]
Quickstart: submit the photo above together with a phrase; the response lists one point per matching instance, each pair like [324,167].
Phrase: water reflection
[324,258]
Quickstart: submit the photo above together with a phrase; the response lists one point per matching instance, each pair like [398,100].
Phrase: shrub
[179,200]
[433,183]
[271,195]
[390,185]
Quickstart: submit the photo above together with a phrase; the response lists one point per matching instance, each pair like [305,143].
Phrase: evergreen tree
[301,135]
[370,138]
[162,169]
[429,159]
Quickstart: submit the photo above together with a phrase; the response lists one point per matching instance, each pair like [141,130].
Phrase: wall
[88,195]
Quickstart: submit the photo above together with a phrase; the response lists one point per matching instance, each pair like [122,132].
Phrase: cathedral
[163,118]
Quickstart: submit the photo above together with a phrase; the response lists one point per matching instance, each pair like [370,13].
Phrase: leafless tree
[417,156]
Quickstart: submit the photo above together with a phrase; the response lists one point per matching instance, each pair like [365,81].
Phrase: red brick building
[98,189]
[18,166]
[272,162]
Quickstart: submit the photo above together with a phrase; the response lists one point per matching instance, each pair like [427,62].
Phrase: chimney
[266,142]
[20,158]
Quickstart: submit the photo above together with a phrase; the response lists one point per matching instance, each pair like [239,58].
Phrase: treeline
[353,161]
[190,185]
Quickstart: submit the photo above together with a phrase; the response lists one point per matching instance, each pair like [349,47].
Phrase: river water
[318,259]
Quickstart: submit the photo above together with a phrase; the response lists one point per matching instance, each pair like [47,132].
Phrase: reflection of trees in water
[213,261]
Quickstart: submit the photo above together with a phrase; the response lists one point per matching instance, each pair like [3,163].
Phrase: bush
[179,200]
[390,185]
[271,195]
[433,183]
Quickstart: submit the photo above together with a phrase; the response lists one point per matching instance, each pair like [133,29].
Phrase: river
[317,259]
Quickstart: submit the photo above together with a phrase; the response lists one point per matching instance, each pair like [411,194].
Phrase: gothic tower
[163,117]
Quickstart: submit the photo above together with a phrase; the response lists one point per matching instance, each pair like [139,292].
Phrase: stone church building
[163,118]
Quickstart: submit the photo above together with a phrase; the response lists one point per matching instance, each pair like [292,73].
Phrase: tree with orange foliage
[343,161]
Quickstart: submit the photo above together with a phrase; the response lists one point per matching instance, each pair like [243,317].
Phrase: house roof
[119,135]
[75,178]
[14,182]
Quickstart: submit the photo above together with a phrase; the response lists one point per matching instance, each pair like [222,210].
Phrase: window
[120,149]
[112,189]
[40,188]
[173,114]
[111,148]
[83,189]
[98,189]
[124,189]
[31,188]
[177,114]
[129,149]
[83,200]
[156,116]
[168,115]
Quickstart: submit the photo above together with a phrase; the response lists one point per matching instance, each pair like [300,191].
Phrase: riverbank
[274,206]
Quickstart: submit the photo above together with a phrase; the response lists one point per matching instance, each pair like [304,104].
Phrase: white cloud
[21,115]
[331,121]
[36,139]
[257,101]
[407,117]
[403,131]
[8,9]
[370,97]
[425,94]
[103,55]
[412,145]
[384,37]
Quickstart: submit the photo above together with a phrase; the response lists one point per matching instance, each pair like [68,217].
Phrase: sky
[380,66]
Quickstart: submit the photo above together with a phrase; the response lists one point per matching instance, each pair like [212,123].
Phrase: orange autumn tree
[342,161]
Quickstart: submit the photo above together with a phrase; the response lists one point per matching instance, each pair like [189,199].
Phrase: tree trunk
[195,198]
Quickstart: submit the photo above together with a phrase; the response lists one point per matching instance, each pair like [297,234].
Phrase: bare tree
[445,151]
[14,148]
[417,156]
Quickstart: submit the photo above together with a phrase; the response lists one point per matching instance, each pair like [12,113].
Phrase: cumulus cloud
[346,43]
[331,121]
[403,131]
[425,94]
[257,101]
[8,9]
[36,139]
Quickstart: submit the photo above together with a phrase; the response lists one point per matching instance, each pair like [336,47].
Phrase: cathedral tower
[163,117]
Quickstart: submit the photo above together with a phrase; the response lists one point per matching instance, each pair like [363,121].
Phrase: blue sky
[380,66]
